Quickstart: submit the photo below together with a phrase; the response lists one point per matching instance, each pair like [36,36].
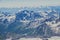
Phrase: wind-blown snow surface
[16,23]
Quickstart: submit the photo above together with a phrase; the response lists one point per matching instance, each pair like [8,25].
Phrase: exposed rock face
[30,23]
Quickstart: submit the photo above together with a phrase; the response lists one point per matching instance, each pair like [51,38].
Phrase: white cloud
[28,3]
[30,39]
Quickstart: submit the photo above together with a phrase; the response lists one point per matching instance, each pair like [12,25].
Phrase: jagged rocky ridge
[30,23]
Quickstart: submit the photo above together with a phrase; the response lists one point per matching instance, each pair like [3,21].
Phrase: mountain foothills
[41,22]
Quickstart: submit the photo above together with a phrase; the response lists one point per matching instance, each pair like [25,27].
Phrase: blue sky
[28,3]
